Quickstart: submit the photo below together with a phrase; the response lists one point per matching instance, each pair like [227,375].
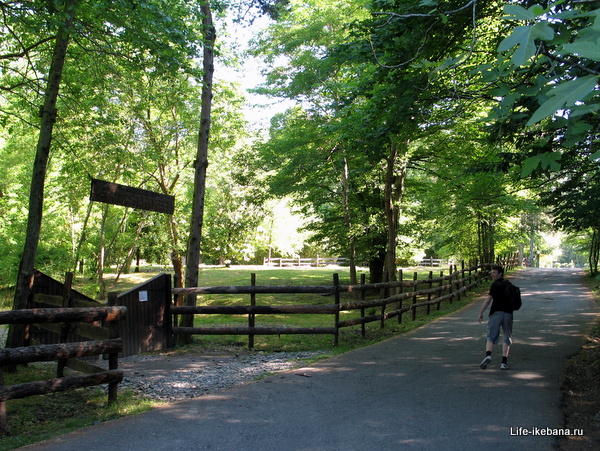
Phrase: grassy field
[240,276]
[40,417]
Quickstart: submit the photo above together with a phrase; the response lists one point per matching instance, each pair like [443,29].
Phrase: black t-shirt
[500,300]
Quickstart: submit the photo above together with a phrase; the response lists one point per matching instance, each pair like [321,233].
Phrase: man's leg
[507,332]
[488,355]
[492,334]
[505,350]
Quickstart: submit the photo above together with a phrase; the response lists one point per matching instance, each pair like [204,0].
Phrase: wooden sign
[127,196]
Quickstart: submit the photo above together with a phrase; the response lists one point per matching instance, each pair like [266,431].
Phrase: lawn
[39,417]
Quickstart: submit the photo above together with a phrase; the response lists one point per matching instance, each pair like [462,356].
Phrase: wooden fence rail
[307,261]
[435,262]
[437,290]
[66,354]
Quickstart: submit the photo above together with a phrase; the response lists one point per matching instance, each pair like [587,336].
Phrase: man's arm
[484,307]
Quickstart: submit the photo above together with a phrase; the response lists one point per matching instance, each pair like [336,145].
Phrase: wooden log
[357,321]
[58,315]
[113,357]
[44,353]
[256,309]
[414,298]
[336,335]
[255,289]
[254,330]
[251,316]
[3,421]
[8,392]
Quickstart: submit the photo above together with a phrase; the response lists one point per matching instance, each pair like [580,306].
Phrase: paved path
[423,390]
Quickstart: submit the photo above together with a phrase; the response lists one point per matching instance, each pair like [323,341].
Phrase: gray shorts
[500,320]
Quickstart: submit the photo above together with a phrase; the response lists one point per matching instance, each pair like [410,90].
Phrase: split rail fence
[66,354]
[307,261]
[393,301]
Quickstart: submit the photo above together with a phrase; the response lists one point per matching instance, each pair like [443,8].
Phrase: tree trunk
[36,193]
[200,165]
[126,266]
[486,240]
[594,255]
[82,237]
[101,255]
[348,221]
[394,188]
[376,269]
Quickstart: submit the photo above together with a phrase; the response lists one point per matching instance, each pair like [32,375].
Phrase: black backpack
[513,295]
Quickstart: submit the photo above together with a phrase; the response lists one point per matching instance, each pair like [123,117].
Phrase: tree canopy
[421,128]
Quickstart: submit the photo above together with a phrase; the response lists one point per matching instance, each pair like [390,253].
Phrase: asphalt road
[423,390]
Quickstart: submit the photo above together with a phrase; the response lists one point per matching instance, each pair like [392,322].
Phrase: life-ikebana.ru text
[536,431]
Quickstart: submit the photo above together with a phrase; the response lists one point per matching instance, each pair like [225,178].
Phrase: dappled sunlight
[529,376]
[542,342]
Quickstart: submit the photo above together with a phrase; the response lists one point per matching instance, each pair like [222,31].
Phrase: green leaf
[543,31]
[562,95]
[518,13]
[512,40]
[522,38]
[550,160]
[537,10]
[585,49]
[529,165]
[595,156]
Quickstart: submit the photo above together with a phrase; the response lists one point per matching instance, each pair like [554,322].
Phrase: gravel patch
[168,377]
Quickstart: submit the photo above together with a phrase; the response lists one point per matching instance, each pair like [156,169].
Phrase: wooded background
[421,128]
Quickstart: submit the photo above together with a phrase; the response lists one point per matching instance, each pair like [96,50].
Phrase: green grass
[41,417]
[350,338]
[38,418]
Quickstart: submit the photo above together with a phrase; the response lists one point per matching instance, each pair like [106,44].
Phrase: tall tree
[359,74]
[118,29]
[200,164]
[48,114]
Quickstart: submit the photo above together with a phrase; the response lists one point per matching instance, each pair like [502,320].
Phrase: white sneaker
[485,362]
[504,366]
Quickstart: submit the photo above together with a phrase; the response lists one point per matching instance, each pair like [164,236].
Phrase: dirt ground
[581,389]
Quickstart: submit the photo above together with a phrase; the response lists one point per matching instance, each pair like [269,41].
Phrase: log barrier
[420,293]
[65,354]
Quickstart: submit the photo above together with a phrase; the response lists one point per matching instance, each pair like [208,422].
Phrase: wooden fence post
[66,327]
[336,284]
[414,299]
[450,284]
[113,357]
[168,318]
[400,290]
[429,294]
[363,296]
[460,278]
[386,294]
[251,316]
[3,418]
[440,287]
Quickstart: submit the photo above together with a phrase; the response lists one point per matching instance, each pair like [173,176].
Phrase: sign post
[127,196]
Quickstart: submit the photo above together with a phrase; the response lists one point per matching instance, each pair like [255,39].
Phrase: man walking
[501,317]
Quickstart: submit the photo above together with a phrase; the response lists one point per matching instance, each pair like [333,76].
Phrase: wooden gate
[147,326]
[47,292]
